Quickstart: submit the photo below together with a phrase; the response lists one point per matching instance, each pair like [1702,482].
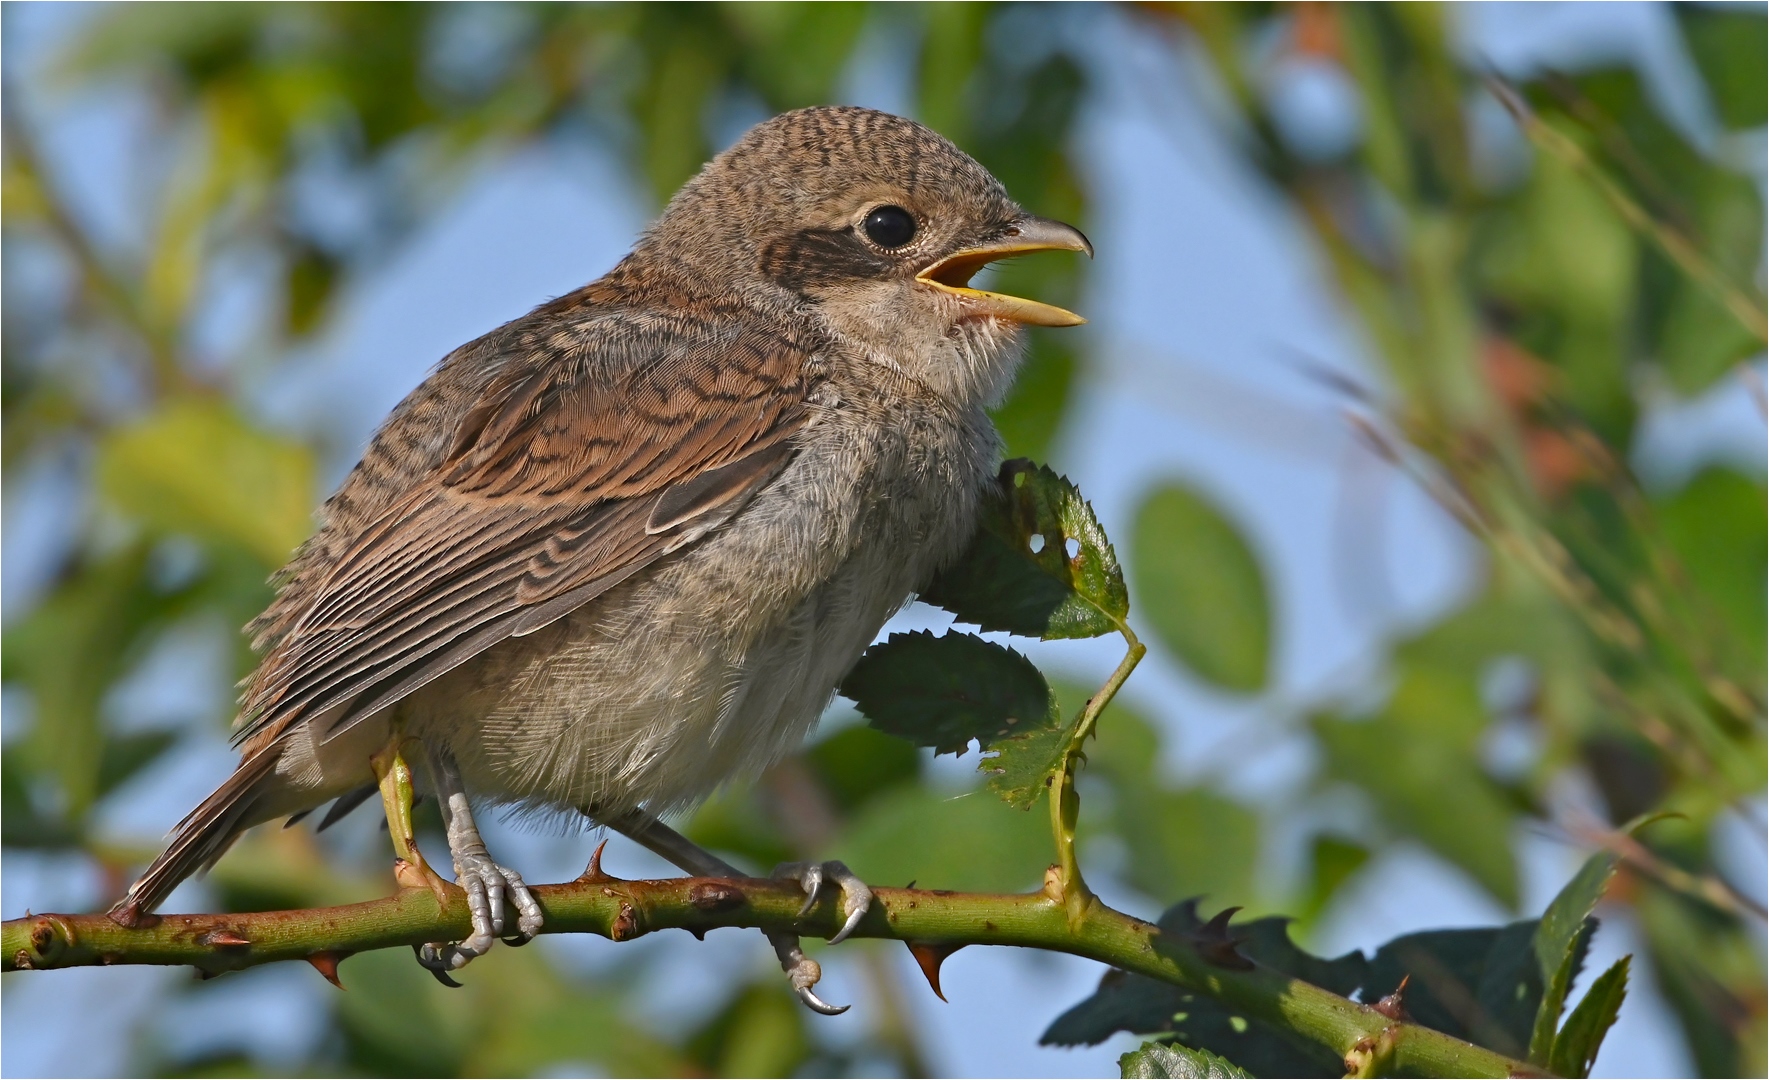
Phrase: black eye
[890,226]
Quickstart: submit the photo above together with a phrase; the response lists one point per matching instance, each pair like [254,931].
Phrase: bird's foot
[811,877]
[856,898]
[803,972]
[491,891]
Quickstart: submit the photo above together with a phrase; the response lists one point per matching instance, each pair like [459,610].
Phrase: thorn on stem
[326,963]
[930,957]
[1217,946]
[1392,1006]
[593,873]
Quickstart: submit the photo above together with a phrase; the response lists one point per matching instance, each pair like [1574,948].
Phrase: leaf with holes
[1158,1059]
[944,692]
[1039,565]
[1559,946]
[1575,1048]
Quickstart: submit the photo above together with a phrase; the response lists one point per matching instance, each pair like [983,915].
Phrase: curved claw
[857,913]
[817,1004]
[430,960]
[811,877]
[803,972]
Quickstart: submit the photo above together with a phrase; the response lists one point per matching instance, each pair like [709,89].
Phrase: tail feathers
[201,838]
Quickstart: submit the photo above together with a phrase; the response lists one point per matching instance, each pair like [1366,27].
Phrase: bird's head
[877,220]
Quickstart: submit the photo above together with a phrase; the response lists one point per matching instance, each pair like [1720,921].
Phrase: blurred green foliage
[1519,320]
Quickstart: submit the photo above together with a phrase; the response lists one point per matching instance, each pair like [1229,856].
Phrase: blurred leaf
[796,52]
[1158,1059]
[196,468]
[944,841]
[69,651]
[125,755]
[313,277]
[761,1032]
[857,764]
[1028,420]
[1575,1048]
[1716,526]
[1039,565]
[1728,46]
[1710,971]
[1192,842]
[1333,861]
[736,822]
[943,692]
[1481,985]
[1560,944]
[1418,757]
[1144,1006]
[1201,588]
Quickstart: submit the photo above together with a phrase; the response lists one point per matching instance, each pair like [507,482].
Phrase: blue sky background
[1206,307]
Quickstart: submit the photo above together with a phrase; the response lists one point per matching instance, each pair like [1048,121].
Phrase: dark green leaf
[1018,574]
[1559,946]
[1144,1006]
[1482,985]
[944,692]
[1200,586]
[1575,1048]
[1728,45]
[1163,1060]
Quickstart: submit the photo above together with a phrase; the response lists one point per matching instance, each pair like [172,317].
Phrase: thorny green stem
[622,910]
[1065,805]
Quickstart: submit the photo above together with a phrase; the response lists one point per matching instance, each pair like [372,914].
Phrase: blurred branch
[1677,247]
[1703,887]
[1205,962]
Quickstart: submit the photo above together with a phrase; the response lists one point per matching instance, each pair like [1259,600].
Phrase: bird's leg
[395,778]
[647,831]
[490,888]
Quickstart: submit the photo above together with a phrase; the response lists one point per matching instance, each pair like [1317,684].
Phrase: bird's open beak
[952,274]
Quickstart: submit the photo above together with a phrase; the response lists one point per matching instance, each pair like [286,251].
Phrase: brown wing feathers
[558,485]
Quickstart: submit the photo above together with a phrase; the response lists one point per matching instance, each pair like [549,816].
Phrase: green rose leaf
[1157,1059]
[1559,945]
[945,692]
[1039,565]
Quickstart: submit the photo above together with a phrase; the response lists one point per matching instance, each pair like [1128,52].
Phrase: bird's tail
[202,837]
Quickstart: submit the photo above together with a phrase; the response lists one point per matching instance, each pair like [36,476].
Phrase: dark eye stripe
[823,257]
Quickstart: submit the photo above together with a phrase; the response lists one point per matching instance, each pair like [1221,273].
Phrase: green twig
[1065,805]
[622,910]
